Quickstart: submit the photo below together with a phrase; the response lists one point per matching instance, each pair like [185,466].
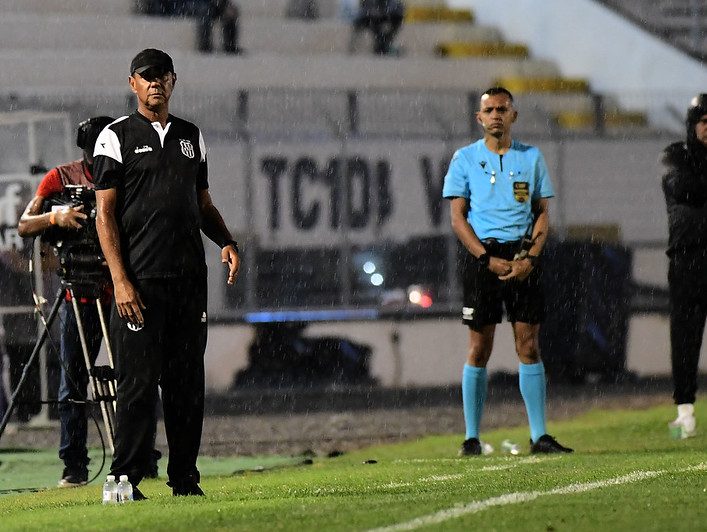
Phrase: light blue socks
[532,388]
[473,397]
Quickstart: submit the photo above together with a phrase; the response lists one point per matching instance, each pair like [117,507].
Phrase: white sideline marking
[518,497]
[519,461]
[441,478]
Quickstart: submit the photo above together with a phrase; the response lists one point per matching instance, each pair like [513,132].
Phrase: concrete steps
[88,70]
[33,31]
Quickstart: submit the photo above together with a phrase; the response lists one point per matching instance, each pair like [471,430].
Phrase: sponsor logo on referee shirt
[187,148]
[143,149]
[467,313]
[203,317]
[135,327]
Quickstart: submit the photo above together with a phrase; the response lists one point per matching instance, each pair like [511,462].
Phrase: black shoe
[138,495]
[73,477]
[546,444]
[470,447]
[191,488]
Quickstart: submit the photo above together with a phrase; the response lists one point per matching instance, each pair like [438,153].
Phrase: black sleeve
[681,184]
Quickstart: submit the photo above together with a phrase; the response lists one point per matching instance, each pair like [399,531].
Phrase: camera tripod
[101,378]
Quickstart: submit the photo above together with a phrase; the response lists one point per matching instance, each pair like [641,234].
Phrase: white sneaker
[683,427]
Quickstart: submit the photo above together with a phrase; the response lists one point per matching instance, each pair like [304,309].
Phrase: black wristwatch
[231,243]
[484,259]
[534,260]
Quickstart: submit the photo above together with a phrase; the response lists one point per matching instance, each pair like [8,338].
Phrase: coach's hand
[229,256]
[520,269]
[128,302]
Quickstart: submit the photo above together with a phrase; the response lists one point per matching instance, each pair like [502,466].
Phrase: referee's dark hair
[89,130]
[493,91]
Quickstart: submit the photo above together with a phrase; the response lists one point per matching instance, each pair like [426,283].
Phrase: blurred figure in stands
[383,17]
[206,12]
[303,9]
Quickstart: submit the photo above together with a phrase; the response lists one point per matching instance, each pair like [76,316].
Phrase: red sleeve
[51,184]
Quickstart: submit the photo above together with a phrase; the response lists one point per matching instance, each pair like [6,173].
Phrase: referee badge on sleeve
[521,191]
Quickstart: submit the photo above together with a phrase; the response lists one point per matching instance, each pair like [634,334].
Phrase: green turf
[425,480]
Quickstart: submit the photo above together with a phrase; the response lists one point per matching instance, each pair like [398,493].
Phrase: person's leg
[377,25]
[203,13]
[474,378]
[531,376]
[72,396]
[687,324]
[525,304]
[481,312]
[138,360]
[388,30]
[230,25]
[183,384]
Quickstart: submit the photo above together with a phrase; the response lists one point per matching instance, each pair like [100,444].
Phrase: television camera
[81,260]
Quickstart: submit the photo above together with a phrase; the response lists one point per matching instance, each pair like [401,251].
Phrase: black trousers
[687,277]
[168,351]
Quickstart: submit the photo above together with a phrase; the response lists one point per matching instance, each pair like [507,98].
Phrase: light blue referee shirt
[500,188]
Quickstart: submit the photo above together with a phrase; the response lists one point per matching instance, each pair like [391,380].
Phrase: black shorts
[485,296]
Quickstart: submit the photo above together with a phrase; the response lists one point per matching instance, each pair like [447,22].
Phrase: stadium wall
[432,352]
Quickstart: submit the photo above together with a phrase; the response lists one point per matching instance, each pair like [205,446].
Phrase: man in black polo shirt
[153,202]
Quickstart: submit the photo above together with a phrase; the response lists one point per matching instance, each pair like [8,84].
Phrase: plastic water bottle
[110,490]
[507,446]
[125,490]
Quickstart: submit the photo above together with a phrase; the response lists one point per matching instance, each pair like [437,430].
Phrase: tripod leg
[112,386]
[37,347]
[95,385]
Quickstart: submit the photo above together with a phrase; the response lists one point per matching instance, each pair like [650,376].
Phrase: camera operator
[74,374]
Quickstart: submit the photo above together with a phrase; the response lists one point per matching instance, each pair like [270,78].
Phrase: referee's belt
[493,242]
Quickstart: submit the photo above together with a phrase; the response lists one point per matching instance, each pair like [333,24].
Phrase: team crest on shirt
[187,148]
[521,191]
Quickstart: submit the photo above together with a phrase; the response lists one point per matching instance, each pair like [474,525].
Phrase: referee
[153,202]
[499,191]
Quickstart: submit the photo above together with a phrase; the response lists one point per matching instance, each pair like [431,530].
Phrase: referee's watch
[231,243]
[484,259]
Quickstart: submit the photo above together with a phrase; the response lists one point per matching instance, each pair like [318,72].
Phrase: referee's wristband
[231,243]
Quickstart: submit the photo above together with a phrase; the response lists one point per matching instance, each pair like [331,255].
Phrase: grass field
[626,474]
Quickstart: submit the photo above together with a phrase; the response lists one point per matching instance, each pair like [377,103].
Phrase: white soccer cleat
[683,427]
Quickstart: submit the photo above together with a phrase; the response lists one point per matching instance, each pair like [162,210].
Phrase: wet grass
[626,474]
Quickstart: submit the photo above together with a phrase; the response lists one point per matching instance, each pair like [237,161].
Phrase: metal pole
[344,263]
[41,419]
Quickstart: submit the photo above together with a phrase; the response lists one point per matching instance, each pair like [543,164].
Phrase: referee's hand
[499,266]
[229,256]
[519,270]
